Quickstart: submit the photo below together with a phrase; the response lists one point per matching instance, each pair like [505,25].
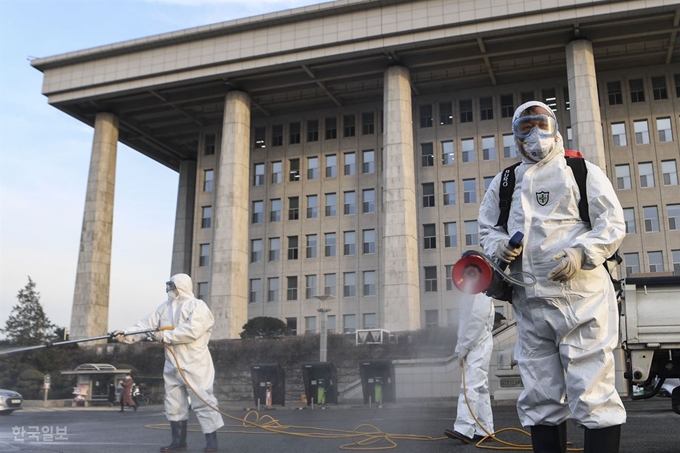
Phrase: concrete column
[586,122]
[400,267]
[229,280]
[90,313]
[184,219]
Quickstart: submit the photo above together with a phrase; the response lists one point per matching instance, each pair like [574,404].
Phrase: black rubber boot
[603,440]
[549,439]
[210,442]
[179,437]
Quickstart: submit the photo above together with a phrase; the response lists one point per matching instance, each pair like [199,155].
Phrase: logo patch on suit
[542,198]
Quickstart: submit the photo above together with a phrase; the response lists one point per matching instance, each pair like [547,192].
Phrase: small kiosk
[93,380]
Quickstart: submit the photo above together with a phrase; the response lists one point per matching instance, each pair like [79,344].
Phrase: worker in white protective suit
[474,347]
[193,322]
[568,322]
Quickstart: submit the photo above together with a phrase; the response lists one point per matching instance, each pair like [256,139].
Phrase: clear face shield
[544,126]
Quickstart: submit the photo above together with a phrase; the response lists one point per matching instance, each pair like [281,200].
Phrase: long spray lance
[83,340]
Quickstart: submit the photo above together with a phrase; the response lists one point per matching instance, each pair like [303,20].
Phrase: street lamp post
[323,340]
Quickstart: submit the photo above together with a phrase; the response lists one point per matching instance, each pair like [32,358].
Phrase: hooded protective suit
[566,330]
[193,322]
[475,344]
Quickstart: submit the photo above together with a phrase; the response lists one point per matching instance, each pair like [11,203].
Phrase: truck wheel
[675,400]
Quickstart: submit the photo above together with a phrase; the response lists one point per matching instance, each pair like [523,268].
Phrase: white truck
[650,325]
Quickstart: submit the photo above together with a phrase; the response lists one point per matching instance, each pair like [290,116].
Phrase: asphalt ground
[411,427]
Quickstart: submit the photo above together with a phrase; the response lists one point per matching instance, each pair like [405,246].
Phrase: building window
[614,93]
[431,319]
[486,108]
[565,93]
[674,216]
[255,290]
[570,139]
[329,284]
[619,134]
[331,127]
[370,321]
[623,177]
[676,261]
[350,203]
[202,291]
[450,234]
[637,90]
[292,288]
[206,216]
[428,154]
[294,170]
[629,219]
[310,286]
[659,88]
[258,212]
[632,263]
[350,164]
[526,96]
[256,251]
[448,270]
[445,113]
[277,135]
[349,323]
[430,236]
[655,261]
[507,106]
[331,166]
[489,148]
[487,183]
[646,175]
[349,125]
[258,179]
[369,242]
[369,283]
[641,132]
[260,137]
[663,125]
[651,214]
[465,110]
[367,123]
[349,284]
[468,149]
[677,87]
[431,279]
[349,243]
[273,292]
[509,146]
[310,325]
[312,206]
[311,246]
[369,161]
[550,98]
[293,208]
[449,193]
[369,201]
[426,119]
[331,242]
[204,255]
[670,172]
[209,145]
[312,168]
[448,155]
[275,211]
[274,249]
[469,191]
[313,130]
[208,180]
[277,171]
[294,133]
[471,233]
[331,203]
[292,247]
[428,195]
[291,324]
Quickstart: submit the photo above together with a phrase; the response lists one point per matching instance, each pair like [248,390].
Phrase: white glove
[462,355]
[118,335]
[570,261]
[506,252]
[159,336]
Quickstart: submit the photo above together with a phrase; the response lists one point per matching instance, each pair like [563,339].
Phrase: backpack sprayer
[475,272]
[49,344]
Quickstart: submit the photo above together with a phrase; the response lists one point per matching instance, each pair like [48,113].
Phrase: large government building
[344,148]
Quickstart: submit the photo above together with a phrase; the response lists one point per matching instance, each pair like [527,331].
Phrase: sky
[45,156]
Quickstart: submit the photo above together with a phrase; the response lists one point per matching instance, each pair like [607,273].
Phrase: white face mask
[538,148]
[172,295]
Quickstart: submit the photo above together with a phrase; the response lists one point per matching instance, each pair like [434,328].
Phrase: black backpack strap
[578,167]
[505,190]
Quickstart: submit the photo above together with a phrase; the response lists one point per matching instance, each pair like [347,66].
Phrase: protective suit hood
[558,149]
[184,286]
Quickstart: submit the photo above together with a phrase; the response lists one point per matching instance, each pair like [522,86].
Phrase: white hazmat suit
[566,329]
[475,344]
[193,322]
